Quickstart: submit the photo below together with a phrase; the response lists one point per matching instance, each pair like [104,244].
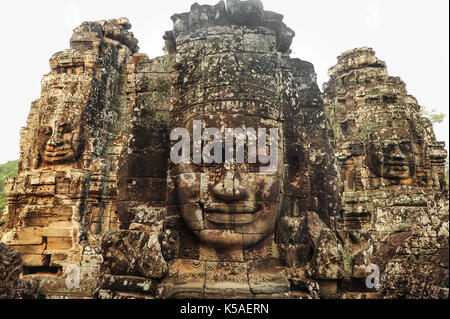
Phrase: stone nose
[397,155]
[55,140]
[229,189]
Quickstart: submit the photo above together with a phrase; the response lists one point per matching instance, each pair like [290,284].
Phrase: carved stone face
[229,204]
[58,142]
[397,162]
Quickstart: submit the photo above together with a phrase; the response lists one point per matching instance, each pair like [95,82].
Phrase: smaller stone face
[59,142]
[392,155]
[58,128]
[380,137]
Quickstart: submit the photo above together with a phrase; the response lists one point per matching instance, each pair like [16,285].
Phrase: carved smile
[398,167]
[244,208]
[231,214]
[392,163]
[56,154]
[231,219]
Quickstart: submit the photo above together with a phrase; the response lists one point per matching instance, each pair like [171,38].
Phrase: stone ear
[78,142]
[37,160]
[374,137]
[374,143]
[375,154]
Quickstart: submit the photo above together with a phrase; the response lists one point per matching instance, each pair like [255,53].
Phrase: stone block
[133,253]
[59,243]
[29,236]
[57,232]
[34,260]
[128,284]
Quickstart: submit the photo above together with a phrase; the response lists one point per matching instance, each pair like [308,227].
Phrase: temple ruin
[391,175]
[359,180]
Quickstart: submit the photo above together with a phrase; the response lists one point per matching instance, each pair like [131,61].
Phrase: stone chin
[220,238]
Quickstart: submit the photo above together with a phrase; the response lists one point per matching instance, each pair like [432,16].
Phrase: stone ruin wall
[112,203]
[64,197]
[392,175]
[212,82]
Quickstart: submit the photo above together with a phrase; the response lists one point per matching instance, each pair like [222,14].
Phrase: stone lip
[241,13]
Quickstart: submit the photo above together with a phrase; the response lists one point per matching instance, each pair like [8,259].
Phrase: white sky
[412,36]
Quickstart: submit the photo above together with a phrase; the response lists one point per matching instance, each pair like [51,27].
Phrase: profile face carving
[58,142]
[394,155]
[229,204]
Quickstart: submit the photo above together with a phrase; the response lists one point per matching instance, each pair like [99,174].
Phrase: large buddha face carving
[392,154]
[230,204]
[59,141]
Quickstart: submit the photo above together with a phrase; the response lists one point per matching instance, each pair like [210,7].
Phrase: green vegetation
[7,170]
[434,117]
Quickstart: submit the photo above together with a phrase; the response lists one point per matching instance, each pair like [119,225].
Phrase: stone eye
[390,146]
[405,146]
[65,128]
[46,131]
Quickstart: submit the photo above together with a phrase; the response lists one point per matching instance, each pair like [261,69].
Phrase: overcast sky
[412,36]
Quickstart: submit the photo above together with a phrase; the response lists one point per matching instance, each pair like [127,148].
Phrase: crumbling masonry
[359,180]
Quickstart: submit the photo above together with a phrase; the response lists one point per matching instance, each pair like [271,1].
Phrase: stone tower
[64,197]
[225,67]
[392,174]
